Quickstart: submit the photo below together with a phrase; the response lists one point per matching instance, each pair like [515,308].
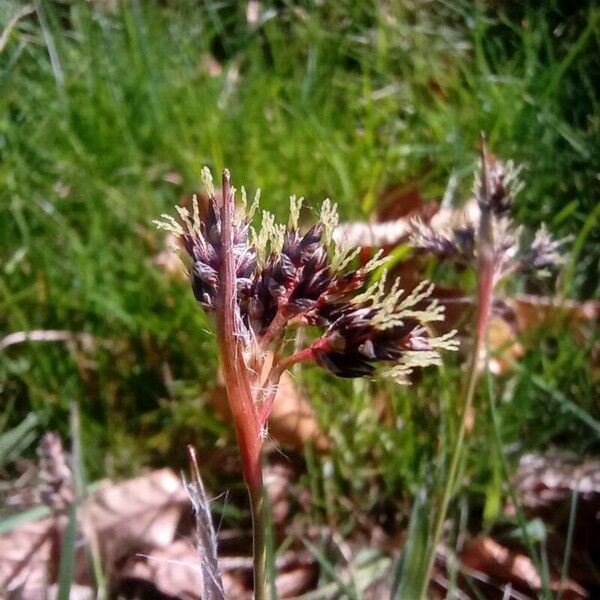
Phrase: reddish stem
[274,329]
[486,258]
[306,355]
[229,338]
[485,297]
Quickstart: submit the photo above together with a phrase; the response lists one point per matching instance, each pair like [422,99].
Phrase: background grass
[101,103]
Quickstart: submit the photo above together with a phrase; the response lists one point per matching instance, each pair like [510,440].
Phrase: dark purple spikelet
[201,239]
[502,184]
[285,277]
[381,329]
[292,281]
[352,346]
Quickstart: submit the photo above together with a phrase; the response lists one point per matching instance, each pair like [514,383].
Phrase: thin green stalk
[569,543]
[485,294]
[66,569]
[81,491]
[270,544]
[453,470]
[511,492]
[259,535]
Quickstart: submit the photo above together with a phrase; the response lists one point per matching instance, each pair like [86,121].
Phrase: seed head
[496,187]
[286,278]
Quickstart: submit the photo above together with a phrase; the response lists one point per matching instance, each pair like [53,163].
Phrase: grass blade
[569,543]
[68,548]
[413,564]
[15,441]
[331,570]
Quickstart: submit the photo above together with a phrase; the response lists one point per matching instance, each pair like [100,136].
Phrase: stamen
[207,180]
[295,206]
[329,218]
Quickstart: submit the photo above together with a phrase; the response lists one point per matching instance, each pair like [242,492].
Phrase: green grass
[319,99]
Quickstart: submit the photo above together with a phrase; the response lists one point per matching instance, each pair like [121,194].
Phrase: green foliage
[99,109]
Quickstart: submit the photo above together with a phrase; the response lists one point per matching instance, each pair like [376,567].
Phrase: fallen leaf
[390,225]
[173,570]
[296,581]
[372,235]
[487,556]
[504,347]
[29,554]
[137,514]
[293,420]
[547,484]
[543,480]
[507,566]
[401,200]
[277,480]
[540,311]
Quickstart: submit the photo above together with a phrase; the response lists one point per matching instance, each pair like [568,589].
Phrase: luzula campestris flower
[285,278]
[510,247]
[259,285]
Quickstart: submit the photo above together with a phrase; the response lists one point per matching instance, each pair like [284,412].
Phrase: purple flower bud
[352,345]
[306,279]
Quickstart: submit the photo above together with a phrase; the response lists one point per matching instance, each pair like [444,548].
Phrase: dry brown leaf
[453,218]
[504,347]
[293,420]
[235,587]
[27,555]
[138,514]
[173,570]
[390,225]
[488,556]
[372,235]
[296,581]
[278,478]
[547,485]
[540,311]
[401,200]
[504,565]
[544,480]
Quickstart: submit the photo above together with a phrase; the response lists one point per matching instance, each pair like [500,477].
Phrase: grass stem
[259,535]
[521,519]
[485,295]
[455,461]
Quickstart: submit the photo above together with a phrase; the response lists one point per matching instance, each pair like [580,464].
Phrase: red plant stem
[306,355]
[277,371]
[239,394]
[485,268]
[237,384]
[274,329]
[485,296]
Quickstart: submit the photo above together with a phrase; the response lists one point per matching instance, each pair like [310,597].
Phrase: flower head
[288,278]
[489,227]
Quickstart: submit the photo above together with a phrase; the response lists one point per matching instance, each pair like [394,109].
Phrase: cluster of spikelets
[261,284]
[512,249]
[287,278]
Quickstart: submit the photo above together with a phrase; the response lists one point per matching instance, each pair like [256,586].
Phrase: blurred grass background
[108,111]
